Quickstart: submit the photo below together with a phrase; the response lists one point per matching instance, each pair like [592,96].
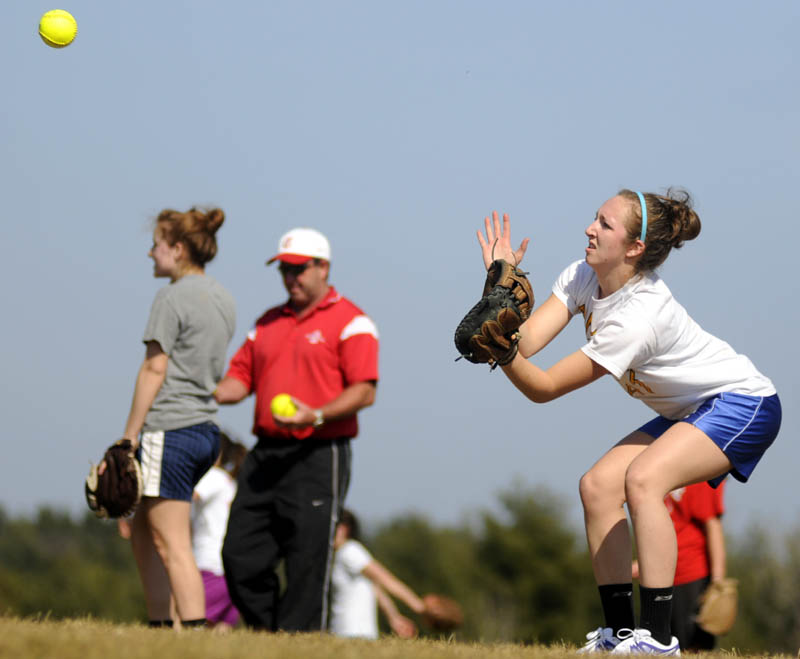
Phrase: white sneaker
[640,641]
[601,639]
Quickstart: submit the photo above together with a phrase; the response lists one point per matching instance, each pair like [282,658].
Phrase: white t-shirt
[216,490]
[647,341]
[354,609]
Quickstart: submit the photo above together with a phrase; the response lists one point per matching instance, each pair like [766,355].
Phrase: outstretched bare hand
[497,242]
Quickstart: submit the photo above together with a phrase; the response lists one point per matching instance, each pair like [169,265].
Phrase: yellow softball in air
[282,405]
[57,28]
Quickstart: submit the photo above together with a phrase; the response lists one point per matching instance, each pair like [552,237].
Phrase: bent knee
[641,483]
[598,491]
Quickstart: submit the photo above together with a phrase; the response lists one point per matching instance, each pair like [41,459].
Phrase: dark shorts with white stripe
[278,548]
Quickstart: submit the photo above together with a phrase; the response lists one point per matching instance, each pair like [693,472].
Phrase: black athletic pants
[685,606]
[289,497]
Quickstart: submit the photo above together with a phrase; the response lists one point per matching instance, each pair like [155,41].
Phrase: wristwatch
[319,418]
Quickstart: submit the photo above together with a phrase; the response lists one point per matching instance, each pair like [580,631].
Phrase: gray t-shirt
[193,320]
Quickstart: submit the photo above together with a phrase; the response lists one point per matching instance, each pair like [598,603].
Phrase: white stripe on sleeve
[359,325]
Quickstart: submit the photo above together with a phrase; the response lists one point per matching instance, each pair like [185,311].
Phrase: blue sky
[394,128]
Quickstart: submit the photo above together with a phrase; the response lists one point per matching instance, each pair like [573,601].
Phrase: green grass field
[91,639]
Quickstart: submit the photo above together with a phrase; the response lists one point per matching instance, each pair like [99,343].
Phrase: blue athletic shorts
[744,427]
[174,460]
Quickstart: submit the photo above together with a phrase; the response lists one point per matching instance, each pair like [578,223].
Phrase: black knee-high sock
[656,612]
[617,601]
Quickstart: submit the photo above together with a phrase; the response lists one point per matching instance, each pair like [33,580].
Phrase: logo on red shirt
[315,337]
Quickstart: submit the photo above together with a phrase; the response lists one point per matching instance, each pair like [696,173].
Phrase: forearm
[531,380]
[392,585]
[148,383]
[230,390]
[572,372]
[351,400]
[354,398]
[529,342]
[544,324]
[717,558]
[385,603]
[400,625]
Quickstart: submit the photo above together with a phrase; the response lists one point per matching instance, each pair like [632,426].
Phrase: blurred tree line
[521,575]
[58,567]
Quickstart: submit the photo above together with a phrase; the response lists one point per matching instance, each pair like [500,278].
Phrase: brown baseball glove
[117,491]
[718,607]
[488,333]
[441,613]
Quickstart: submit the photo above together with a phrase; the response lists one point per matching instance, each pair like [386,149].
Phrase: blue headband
[644,215]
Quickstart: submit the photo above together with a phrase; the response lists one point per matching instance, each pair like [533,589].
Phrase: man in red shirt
[322,350]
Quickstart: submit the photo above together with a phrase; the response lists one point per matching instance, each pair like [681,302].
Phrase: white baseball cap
[300,245]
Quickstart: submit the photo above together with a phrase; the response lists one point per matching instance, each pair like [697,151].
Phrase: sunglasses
[295,270]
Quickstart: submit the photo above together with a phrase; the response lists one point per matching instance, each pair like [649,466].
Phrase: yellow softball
[57,28]
[282,405]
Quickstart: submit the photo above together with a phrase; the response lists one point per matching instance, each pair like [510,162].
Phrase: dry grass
[92,639]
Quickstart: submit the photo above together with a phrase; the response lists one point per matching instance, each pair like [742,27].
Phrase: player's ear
[181,252]
[635,249]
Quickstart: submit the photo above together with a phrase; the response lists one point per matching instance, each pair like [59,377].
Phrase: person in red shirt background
[696,513]
[322,350]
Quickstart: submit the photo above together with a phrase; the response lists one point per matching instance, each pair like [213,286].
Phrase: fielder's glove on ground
[488,333]
[718,607]
[441,613]
[116,491]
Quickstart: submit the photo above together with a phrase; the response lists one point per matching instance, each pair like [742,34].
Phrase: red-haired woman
[173,415]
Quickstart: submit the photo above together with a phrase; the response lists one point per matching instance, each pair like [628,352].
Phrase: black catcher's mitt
[488,333]
[117,491]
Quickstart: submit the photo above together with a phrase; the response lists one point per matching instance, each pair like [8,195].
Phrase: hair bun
[196,228]
[682,217]
[214,218]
